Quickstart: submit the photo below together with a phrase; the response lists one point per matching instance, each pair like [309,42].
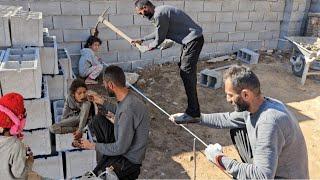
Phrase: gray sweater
[172,23]
[87,60]
[13,159]
[131,130]
[277,142]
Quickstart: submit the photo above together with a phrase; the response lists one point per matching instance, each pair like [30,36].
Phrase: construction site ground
[169,152]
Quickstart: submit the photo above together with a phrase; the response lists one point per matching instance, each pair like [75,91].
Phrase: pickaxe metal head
[94,31]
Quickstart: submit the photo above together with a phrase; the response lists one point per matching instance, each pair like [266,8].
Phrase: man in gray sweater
[267,136]
[122,139]
[172,23]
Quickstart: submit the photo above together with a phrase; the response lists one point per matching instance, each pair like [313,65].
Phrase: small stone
[183,172]
[270,51]
[190,158]
[162,174]
[174,103]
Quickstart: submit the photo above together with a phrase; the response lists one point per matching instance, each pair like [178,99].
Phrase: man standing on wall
[172,23]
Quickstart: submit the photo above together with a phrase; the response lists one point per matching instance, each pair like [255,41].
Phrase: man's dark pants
[103,129]
[188,72]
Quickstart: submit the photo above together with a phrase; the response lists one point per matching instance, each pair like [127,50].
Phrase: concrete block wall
[22,66]
[228,25]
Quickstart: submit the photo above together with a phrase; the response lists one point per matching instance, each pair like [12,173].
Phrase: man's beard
[148,15]
[240,105]
[111,93]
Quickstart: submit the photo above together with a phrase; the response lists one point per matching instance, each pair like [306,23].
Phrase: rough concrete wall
[228,25]
[315,6]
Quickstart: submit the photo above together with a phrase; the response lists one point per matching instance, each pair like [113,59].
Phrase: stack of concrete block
[49,166]
[211,78]
[57,86]
[49,55]
[32,32]
[21,66]
[248,56]
[79,162]
[5,13]
[39,110]
[39,141]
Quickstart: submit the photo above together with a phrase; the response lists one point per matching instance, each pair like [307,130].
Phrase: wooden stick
[119,32]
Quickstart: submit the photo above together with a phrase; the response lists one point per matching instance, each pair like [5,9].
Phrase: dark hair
[91,40]
[77,83]
[242,77]
[140,3]
[116,75]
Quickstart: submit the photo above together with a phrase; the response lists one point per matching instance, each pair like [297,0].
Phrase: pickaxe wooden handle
[102,20]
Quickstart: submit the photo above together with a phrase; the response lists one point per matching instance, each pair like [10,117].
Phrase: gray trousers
[73,122]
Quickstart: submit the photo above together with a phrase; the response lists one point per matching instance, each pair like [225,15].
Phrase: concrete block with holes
[248,56]
[26,28]
[57,85]
[22,66]
[211,78]
[49,166]
[39,110]
[75,165]
[39,141]
[49,55]
[65,63]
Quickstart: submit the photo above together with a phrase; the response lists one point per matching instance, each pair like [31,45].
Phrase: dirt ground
[169,153]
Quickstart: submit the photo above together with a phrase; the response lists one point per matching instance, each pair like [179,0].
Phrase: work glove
[214,154]
[166,44]
[143,48]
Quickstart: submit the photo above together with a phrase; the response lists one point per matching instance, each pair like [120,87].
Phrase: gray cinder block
[248,56]
[211,78]
[75,165]
[57,85]
[65,63]
[49,55]
[26,28]
[50,166]
[39,110]
[20,71]
[39,141]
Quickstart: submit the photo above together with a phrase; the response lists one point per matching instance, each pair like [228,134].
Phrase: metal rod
[135,89]
[194,159]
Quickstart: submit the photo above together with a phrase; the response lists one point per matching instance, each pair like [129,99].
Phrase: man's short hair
[77,83]
[140,3]
[116,75]
[242,77]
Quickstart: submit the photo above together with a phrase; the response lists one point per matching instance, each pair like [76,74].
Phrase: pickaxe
[101,19]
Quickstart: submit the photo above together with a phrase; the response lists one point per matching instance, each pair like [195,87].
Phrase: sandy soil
[169,154]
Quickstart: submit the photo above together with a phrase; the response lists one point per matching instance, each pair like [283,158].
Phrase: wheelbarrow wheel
[298,64]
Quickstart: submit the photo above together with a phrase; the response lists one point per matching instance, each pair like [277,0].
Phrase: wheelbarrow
[305,58]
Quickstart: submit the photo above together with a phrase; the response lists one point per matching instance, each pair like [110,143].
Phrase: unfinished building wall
[228,25]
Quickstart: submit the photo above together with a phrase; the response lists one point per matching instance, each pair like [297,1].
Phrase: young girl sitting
[76,111]
[89,65]
[16,160]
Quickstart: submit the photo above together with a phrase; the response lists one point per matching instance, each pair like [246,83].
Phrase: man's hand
[77,134]
[95,98]
[183,118]
[110,116]
[214,154]
[136,41]
[85,144]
